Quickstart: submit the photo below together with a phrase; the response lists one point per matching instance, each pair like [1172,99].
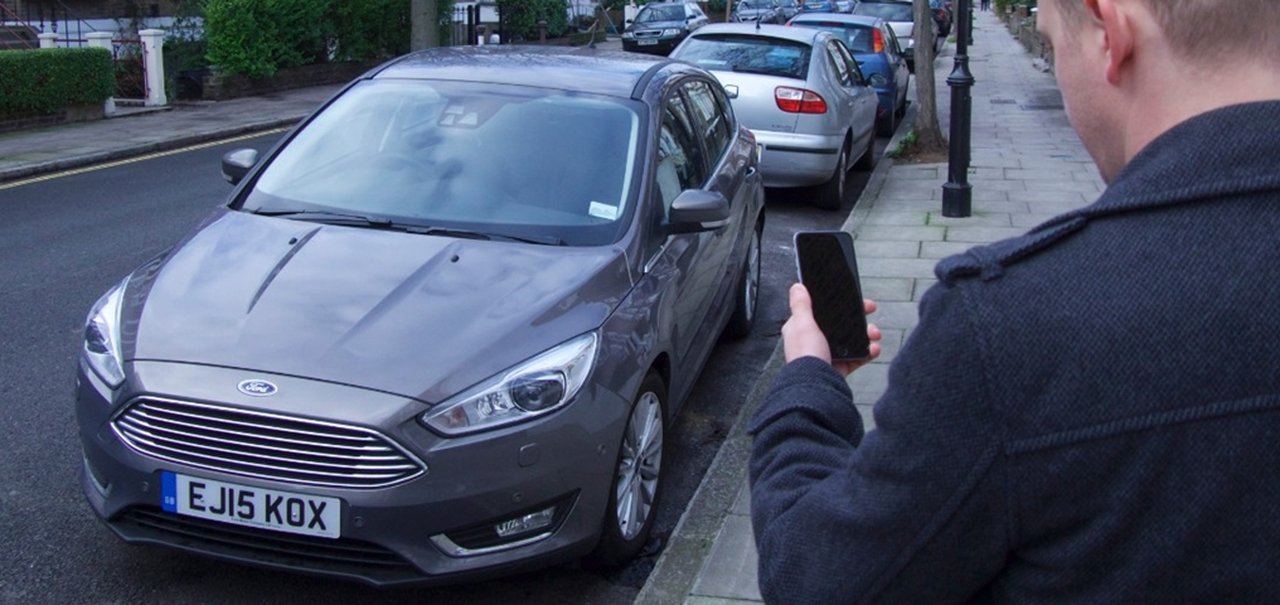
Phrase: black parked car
[660,27]
[437,333]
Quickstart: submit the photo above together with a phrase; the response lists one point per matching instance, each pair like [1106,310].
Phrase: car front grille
[341,557]
[264,446]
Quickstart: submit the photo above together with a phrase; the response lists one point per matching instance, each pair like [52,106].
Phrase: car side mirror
[236,164]
[696,210]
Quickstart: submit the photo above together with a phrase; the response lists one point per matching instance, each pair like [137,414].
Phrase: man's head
[1204,31]
[1131,69]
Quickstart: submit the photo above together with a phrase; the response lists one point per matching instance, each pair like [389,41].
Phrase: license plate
[647,42]
[250,506]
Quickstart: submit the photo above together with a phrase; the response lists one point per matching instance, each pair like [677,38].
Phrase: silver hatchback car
[802,94]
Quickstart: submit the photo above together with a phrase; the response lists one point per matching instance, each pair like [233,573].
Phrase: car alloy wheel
[744,312]
[637,483]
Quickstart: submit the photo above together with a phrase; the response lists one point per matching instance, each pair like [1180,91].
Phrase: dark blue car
[875,47]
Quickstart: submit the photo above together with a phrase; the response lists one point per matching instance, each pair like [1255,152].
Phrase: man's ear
[1118,26]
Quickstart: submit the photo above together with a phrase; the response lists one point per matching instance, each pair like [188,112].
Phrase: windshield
[507,160]
[884,10]
[749,54]
[670,12]
[858,38]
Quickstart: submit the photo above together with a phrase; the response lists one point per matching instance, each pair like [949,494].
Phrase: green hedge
[257,37]
[47,80]
[520,18]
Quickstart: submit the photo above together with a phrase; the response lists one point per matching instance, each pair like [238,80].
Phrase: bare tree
[928,134]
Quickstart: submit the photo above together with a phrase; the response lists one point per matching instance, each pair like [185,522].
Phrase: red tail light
[799,100]
[877,40]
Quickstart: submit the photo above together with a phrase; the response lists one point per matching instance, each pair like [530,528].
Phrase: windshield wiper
[328,217]
[362,220]
[548,240]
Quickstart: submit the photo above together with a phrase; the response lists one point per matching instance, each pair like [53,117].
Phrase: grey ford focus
[437,332]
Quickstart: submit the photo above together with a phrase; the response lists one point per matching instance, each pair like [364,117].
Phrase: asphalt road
[65,240]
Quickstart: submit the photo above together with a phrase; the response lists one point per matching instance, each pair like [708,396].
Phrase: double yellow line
[141,158]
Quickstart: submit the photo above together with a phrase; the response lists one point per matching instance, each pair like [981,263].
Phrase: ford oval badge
[257,388]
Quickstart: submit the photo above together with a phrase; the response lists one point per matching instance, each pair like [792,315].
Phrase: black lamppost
[957,193]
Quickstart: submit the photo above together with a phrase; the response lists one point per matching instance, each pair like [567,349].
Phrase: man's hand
[801,336]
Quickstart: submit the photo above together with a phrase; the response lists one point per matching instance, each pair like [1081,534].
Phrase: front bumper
[389,535]
[654,46]
[797,160]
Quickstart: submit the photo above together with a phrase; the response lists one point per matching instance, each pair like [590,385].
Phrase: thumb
[801,304]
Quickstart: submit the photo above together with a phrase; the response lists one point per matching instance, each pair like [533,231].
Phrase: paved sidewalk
[1027,166]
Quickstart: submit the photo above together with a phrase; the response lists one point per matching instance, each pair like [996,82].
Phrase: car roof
[585,69]
[798,34]
[867,20]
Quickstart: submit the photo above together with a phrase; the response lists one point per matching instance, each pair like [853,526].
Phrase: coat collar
[1234,150]
[1230,151]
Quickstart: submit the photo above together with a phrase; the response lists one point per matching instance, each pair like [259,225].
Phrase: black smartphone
[828,269]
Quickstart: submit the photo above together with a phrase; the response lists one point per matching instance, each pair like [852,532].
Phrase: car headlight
[102,337]
[878,80]
[536,387]
[668,33]
[628,35]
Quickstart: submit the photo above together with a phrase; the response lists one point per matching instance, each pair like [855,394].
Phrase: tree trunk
[424,31]
[928,134]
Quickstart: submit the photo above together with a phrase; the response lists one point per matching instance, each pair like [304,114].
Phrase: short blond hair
[1205,29]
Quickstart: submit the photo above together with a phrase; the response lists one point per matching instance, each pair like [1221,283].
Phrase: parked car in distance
[941,16]
[898,14]
[786,9]
[438,332]
[817,6]
[751,11]
[801,93]
[660,26]
[875,48]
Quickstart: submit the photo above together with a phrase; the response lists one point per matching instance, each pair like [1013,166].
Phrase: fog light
[526,523]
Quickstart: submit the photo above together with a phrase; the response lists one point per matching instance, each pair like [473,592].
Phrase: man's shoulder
[988,262]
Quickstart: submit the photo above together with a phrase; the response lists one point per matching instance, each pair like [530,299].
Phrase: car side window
[680,164]
[839,64]
[894,48]
[855,72]
[712,119]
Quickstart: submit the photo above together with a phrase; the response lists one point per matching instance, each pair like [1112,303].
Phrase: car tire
[637,481]
[831,193]
[744,310]
[867,162]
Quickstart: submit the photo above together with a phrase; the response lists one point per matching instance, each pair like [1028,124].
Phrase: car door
[727,160]
[863,101]
[684,262]
[898,63]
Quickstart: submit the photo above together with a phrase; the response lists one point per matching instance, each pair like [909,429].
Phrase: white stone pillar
[48,40]
[103,40]
[153,66]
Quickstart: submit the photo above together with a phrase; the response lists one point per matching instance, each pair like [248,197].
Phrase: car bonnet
[415,315]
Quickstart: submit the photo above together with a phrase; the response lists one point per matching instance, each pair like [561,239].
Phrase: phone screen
[829,271]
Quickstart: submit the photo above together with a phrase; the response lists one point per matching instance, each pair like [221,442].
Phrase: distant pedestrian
[1087,413]
[986,4]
